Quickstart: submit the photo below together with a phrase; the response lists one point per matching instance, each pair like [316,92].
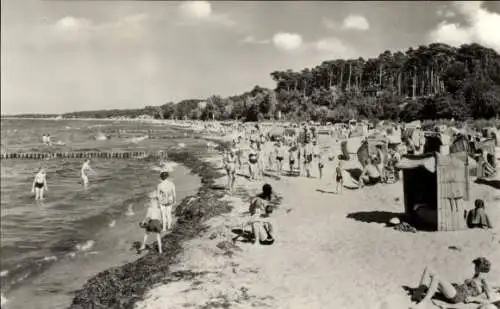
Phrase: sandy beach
[332,251]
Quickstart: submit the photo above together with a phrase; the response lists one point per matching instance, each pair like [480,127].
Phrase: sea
[49,249]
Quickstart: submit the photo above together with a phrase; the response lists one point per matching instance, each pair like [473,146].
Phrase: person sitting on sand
[230,166]
[84,173]
[469,291]
[153,221]
[39,184]
[261,232]
[477,218]
[370,175]
[167,197]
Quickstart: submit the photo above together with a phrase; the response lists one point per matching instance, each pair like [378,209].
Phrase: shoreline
[124,285]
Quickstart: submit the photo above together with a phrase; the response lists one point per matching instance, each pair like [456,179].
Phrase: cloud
[442,12]
[331,44]
[481,26]
[81,30]
[355,22]
[287,41]
[197,12]
[251,40]
[196,9]
[330,24]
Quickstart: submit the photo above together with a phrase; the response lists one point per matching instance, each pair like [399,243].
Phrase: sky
[63,56]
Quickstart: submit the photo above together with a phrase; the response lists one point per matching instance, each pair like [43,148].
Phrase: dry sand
[332,251]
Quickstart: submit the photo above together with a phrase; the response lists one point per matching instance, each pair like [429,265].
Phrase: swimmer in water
[39,184]
[84,173]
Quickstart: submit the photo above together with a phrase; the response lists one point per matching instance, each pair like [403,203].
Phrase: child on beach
[469,291]
[39,184]
[153,221]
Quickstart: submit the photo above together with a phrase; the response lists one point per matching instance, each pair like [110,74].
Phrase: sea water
[49,249]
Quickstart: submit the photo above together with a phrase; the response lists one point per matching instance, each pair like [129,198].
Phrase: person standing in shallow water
[166,197]
[39,184]
[84,173]
[153,221]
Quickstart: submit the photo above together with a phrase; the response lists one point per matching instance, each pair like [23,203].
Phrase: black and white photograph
[164,154]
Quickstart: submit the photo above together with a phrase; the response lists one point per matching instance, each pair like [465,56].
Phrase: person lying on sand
[153,221]
[262,227]
[469,291]
[39,184]
[477,218]
[370,175]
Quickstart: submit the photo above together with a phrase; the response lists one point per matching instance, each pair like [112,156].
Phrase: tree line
[436,81]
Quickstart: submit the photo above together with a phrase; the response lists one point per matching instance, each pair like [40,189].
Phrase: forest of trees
[431,82]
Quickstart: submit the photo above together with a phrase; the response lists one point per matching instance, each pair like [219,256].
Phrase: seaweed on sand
[123,286]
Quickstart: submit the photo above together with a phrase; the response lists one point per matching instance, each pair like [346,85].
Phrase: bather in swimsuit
[467,289]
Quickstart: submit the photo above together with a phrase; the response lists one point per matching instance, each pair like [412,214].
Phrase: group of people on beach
[263,152]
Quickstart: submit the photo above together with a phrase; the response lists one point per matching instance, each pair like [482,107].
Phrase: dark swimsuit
[39,185]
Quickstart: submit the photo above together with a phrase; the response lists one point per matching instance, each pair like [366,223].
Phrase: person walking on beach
[293,157]
[167,197]
[230,166]
[85,173]
[280,156]
[308,159]
[154,221]
[39,184]
[317,157]
[339,179]
[253,161]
